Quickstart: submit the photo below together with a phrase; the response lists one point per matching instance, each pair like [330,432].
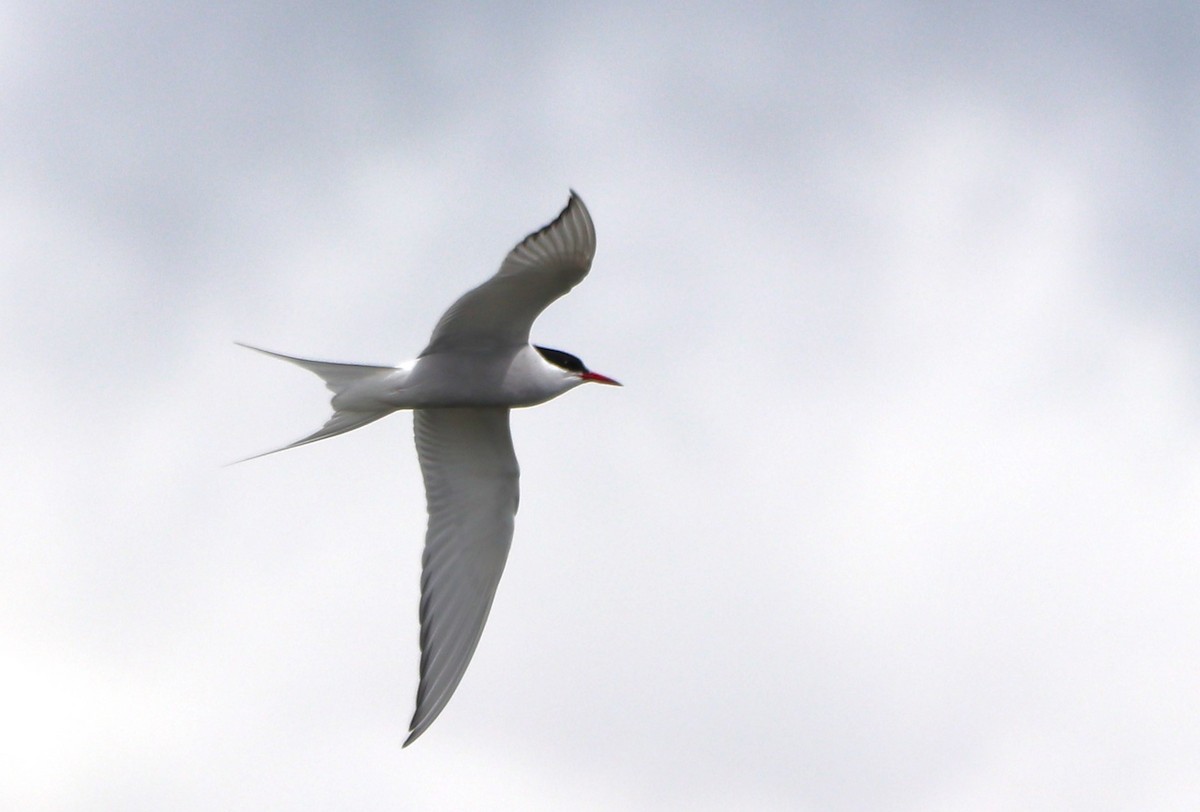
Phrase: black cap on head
[562,360]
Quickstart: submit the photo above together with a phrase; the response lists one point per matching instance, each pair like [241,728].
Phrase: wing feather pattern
[471,488]
[541,268]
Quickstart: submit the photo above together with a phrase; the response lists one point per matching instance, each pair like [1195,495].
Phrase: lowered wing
[471,489]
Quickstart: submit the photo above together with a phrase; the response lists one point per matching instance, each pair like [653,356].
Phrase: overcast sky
[899,506]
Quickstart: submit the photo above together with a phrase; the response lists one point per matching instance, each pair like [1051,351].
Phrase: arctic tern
[478,365]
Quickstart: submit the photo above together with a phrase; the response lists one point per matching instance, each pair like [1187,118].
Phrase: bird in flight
[478,365]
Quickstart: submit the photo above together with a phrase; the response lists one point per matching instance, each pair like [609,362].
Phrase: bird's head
[573,367]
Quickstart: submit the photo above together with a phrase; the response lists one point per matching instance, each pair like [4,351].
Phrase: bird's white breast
[514,378]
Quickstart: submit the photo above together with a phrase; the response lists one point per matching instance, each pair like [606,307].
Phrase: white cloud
[895,510]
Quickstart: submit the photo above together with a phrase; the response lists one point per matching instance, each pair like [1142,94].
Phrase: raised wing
[543,267]
[471,474]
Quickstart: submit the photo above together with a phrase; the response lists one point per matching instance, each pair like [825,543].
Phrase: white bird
[479,364]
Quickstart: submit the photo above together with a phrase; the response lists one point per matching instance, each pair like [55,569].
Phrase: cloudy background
[897,510]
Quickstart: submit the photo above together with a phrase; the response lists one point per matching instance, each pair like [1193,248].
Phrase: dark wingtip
[416,729]
[574,200]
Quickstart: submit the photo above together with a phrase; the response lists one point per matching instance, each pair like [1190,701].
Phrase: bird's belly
[457,382]
[452,394]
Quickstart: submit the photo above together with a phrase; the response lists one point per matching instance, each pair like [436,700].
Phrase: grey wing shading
[471,487]
[543,267]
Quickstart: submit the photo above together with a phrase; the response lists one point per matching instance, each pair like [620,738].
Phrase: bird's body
[513,378]
[478,365]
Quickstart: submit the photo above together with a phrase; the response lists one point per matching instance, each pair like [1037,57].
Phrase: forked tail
[338,378]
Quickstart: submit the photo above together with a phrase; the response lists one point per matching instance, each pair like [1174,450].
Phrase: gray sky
[897,509]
